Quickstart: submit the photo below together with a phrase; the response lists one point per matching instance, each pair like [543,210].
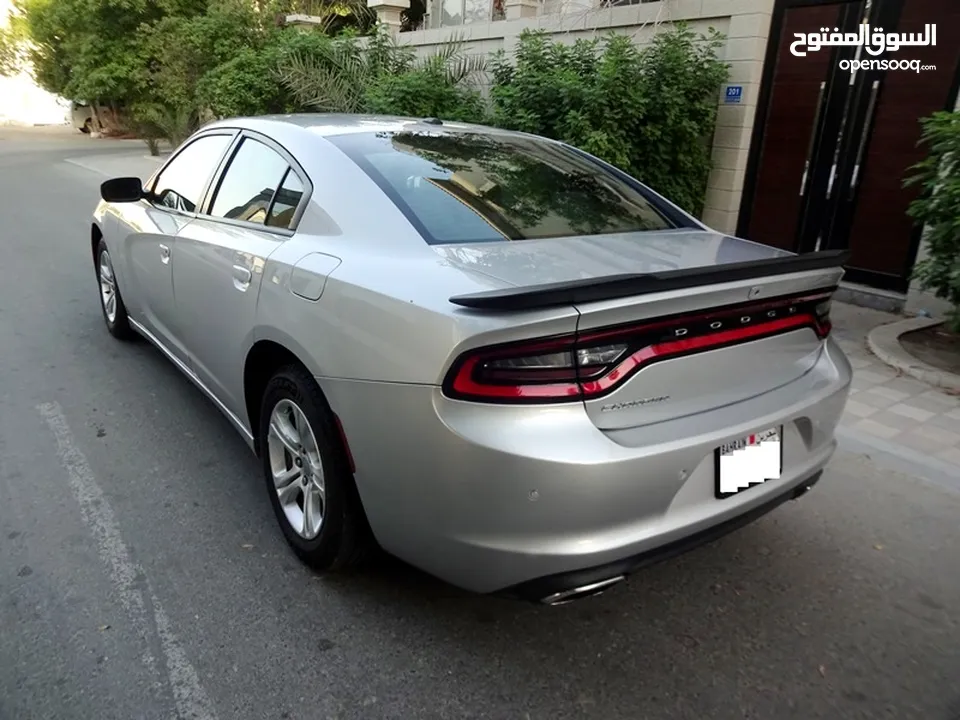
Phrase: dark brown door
[801,95]
[831,149]
[871,218]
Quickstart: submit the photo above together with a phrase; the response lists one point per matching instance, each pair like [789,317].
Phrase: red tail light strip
[677,348]
[533,375]
[465,386]
[751,308]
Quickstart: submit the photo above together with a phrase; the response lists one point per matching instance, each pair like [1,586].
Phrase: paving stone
[859,409]
[907,410]
[876,376]
[874,428]
[937,407]
[858,363]
[944,437]
[886,391]
[940,397]
[907,385]
[900,423]
[922,441]
[951,455]
[873,399]
[945,423]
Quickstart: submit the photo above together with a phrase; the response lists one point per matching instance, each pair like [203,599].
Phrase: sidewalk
[888,406]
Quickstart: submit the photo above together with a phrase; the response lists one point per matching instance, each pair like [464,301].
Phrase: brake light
[589,365]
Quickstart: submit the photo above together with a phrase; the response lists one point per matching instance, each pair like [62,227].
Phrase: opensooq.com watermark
[874,43]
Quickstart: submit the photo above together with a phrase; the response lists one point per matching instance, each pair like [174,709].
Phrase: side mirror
[122,189]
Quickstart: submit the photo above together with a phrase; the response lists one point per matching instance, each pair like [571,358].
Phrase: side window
[181,183]
[249,183]
[286,201]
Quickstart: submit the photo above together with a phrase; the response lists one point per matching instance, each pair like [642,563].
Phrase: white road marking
[191,700]
[85,166]
[92,167]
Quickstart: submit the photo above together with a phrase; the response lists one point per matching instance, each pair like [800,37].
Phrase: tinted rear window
[468,187]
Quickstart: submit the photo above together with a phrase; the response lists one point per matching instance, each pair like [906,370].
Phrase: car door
[176,193]
[219,259]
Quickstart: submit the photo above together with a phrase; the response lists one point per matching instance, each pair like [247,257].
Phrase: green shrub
[423,92]
[649,111]
[938,208]
[244,85]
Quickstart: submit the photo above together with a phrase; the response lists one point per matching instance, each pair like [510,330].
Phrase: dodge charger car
[491,354]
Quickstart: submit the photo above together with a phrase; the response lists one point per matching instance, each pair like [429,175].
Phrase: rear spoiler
[612,287]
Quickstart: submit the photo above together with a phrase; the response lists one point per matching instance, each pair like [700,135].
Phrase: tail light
[590,365]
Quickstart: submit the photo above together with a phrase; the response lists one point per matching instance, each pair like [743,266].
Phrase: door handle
[241,277]
[164,254]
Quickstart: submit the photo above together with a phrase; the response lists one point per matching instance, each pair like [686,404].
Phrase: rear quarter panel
[385,318]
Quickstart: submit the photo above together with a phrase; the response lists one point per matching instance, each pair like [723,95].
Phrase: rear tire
[111,304]
[308,476]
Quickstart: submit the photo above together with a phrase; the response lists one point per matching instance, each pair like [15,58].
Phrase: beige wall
[746,23]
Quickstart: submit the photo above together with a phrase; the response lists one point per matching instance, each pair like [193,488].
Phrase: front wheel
[308,476]
[114,311]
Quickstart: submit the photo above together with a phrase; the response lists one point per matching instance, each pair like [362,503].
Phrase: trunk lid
[700,349]
[709,340]
[537,262]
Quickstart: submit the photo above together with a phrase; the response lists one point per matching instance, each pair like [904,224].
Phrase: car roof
[333,124]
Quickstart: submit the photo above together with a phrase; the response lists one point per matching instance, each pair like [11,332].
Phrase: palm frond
[332,80]
[452,58]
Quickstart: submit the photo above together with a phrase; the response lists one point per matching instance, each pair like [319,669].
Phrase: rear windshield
[470,187]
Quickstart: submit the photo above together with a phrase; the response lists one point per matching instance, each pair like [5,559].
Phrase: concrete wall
[746,23]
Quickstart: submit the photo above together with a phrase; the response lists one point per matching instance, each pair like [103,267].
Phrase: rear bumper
[526,499]
[556,589]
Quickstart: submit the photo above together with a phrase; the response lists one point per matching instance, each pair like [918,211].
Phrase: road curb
[884,342]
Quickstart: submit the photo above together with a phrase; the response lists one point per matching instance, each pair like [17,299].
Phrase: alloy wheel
[108,288]
[297,469]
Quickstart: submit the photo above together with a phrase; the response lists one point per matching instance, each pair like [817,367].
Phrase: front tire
[308,476]
[111,304]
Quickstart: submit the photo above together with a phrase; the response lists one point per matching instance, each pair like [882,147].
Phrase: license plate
[749,461]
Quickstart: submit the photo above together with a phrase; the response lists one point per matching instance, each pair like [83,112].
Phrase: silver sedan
[491,354]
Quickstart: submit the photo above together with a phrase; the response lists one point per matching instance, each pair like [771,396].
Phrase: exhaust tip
[806,487]
[581,592]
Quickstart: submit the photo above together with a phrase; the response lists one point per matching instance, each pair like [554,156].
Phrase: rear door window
[285,201]
[471,187]
[249,183]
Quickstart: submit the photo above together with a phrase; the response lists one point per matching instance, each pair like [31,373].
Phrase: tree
[13,45]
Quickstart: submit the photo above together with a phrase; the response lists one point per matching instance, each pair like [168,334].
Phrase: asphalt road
[142,575]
